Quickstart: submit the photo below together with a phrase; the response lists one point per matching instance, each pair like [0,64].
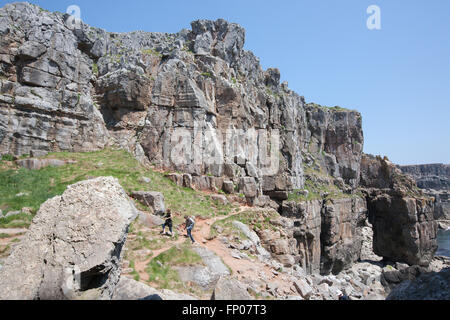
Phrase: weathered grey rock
[207,274]
[230,289]
[37,164]
[431,286]
[72,250]
[265,202]
[176,178]
[150,220]
[228,187]
[129,289]
[187,181]
[248,187]
[342,221]
[404,229]
[303,288]
[429,176]
[251,235]
[220,198]
[402,217]
[252,171]
[48,74]
[307,221]
[64,90]
[153,200]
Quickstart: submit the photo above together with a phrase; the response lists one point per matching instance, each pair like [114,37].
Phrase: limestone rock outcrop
[434,179]
[79,88]
[327,232]
[429,176]
[195,102]
[153,200]
[45,92]
[129,289]
[429,286]
[73,247]
[402,217]
[230,289]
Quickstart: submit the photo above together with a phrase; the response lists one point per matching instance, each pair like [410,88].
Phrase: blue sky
[397,77]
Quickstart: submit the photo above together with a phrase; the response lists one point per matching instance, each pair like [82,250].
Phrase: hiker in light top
[189,225]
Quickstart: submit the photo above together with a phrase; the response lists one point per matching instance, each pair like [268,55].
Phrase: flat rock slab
[129,289]
[37,164]
[13,232]
[206,275]
[230,289]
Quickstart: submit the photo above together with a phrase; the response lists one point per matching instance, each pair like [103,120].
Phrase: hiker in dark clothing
[189,225]
[343,297]
[168,223]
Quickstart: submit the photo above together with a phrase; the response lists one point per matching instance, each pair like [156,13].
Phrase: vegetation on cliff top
[335,108]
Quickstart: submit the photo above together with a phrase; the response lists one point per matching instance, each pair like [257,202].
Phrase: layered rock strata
[196,102]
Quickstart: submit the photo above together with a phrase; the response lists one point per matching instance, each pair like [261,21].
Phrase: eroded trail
[241,268]
[201,235]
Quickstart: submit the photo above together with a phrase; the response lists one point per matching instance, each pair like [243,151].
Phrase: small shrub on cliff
[7,157]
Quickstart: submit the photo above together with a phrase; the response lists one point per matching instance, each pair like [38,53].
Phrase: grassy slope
[161,269]
[256,220]
[40,185]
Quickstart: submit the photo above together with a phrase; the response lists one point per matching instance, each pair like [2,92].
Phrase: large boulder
[151,199]
[306,218]
[73,247]
[230,289]
[431,286]
[342,222]
[206,274]
[404,228]
[403,220]
[37,164]
[129,289]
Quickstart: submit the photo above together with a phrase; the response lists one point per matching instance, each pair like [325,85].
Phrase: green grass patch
[16,221]
[134,273]
[95,69]
[151,52]
[161,269]
[317,183]
[41,185]
[256,220]
[7,157]
[4,252]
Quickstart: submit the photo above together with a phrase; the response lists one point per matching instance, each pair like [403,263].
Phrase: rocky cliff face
[404,226]
[430,176]
[435,180]
[197,102]
[45,95]
[326,232]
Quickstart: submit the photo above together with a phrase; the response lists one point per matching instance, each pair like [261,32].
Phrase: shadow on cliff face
[429,286]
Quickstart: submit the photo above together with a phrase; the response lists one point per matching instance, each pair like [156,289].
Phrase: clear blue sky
[397,77]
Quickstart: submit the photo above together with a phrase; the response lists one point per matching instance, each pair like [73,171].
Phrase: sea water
[443,239]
